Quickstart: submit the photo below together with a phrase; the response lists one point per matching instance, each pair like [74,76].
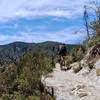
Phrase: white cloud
[37,8]
[71,9]
[68,36]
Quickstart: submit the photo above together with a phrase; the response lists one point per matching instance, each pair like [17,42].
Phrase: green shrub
[92,41]
[7,97]
[96,26]
[22,82]
[33,98]
[76,54]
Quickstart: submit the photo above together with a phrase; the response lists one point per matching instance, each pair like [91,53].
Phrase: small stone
[82,93]
[98,72]
[80,86]
[72,89]
[71,92]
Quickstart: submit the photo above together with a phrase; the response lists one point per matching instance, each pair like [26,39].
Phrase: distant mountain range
[16,49]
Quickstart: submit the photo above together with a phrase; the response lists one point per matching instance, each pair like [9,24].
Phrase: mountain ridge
[16,49]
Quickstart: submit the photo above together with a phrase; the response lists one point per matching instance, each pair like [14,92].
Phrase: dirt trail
[70,86]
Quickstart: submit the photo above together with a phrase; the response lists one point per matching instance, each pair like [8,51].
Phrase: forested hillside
[18,49]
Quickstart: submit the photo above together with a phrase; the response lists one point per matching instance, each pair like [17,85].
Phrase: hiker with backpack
[62,52]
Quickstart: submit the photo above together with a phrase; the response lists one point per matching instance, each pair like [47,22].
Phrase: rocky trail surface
[67,85]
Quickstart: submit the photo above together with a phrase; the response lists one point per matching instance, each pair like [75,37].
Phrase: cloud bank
[37,8]
[48,20]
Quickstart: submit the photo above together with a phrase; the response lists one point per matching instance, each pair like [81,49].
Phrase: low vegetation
[77,54]
[22,82]
[93,40]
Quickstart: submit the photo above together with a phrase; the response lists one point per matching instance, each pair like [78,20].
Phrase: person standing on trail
[62,52]
[53,55]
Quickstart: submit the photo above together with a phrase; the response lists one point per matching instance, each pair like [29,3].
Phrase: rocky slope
[83,85]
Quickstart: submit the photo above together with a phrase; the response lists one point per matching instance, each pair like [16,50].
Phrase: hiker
[53,56]
[62,52]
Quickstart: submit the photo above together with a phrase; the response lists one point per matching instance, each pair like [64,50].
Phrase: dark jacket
[63,51]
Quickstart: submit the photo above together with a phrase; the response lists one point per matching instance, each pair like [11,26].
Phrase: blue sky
[42,20]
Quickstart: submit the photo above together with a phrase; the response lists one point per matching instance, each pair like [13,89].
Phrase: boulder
[76,67]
